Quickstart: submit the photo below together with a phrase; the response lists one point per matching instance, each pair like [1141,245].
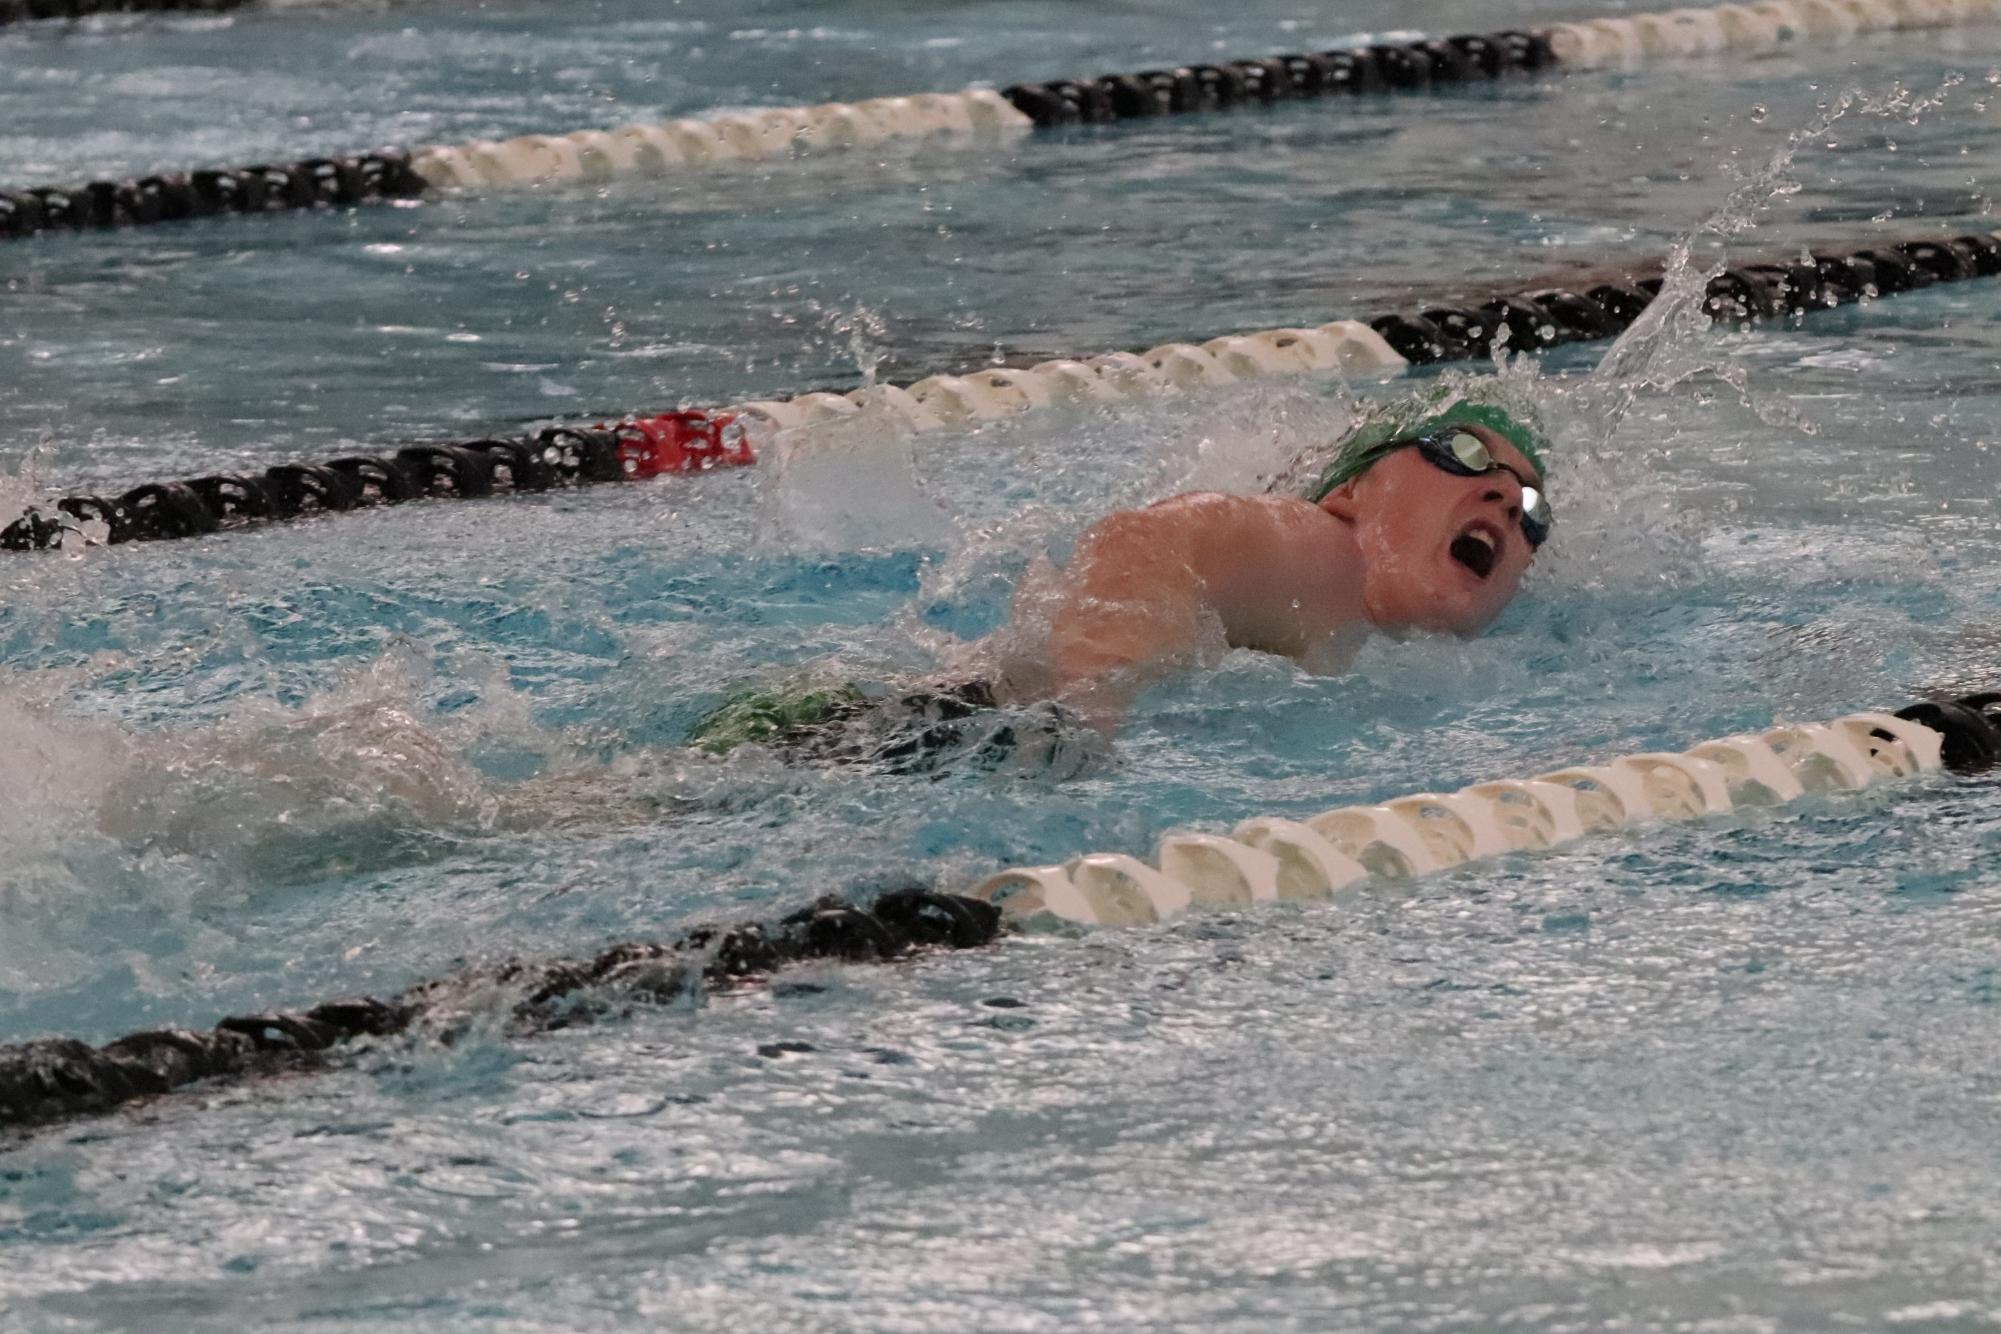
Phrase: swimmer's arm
[1139,597]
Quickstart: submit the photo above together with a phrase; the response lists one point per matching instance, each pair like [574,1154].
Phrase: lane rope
[1533,320]
[26,11]
[1264,860]
[1269,859]
[315,182]
[559,457]
[55,1079]
[971,117]
[694,439]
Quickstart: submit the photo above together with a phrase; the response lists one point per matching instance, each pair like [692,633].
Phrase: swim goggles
[1464,454]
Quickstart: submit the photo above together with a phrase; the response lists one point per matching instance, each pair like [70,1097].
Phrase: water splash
[1626,517]
[847,486]
[865,332]
[851,484]
[1672,341]
[26,486]
[364,774]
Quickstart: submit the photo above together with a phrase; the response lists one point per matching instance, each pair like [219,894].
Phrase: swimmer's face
[1441,552]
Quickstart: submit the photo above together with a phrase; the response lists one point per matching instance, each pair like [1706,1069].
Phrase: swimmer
[1424,517]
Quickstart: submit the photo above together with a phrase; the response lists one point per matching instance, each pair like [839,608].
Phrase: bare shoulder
[1224,510]
[1209,531]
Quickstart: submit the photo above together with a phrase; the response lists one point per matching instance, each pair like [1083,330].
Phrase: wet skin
[1405,546]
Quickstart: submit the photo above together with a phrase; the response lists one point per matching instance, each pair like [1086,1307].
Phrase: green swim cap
[1434,409]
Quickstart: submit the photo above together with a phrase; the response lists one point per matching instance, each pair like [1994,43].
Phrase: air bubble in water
[1759,112]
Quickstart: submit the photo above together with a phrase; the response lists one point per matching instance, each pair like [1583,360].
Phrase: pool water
[1737,1075]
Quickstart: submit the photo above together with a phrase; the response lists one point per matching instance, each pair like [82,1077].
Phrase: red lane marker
[692,441]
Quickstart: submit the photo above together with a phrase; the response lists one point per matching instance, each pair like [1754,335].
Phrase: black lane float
[559,457]
[55,1079]
[24,11]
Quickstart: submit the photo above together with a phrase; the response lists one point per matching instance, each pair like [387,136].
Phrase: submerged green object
[765,713]
[1420,414]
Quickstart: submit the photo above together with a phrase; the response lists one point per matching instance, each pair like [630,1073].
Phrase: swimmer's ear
[1340,502]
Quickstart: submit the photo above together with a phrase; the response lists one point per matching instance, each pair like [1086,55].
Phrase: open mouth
[1477,550]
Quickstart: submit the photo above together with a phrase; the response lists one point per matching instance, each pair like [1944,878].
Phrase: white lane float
[1267,859]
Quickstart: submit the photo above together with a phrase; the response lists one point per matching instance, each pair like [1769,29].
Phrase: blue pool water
[1732,1076]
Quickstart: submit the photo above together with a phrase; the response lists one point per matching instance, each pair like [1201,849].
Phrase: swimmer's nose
[1508,495]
